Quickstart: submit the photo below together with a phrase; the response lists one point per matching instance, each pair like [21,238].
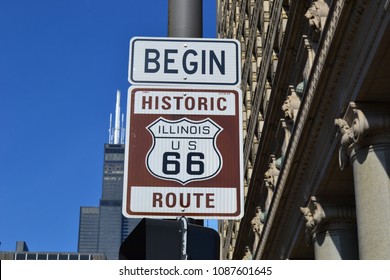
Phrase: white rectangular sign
[184,61]
[179,103]
[166,200]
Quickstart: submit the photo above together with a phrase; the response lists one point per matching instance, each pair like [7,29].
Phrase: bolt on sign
[183,153]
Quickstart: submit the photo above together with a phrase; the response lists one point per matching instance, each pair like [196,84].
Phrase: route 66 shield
[184,150]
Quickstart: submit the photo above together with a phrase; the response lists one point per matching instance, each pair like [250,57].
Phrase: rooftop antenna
[122,130]
[110,131]
[117,118]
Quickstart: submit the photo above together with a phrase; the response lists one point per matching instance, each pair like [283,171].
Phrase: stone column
[331,228]
[366,145]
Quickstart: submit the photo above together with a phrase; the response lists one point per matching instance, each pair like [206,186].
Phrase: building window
[63,257]
[52,257]
[20,256]
[42,256]
[84,257]
[31,256]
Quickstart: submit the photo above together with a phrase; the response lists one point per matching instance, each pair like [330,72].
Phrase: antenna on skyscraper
[122,130]
[117,120]
[110,131]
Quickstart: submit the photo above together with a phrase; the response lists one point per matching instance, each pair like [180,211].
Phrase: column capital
[326,215]
[369,120]
[363,124]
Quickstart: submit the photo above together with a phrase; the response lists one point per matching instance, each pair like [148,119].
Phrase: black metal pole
[185,18]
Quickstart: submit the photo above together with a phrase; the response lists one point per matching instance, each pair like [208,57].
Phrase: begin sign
[183,154]
[184,61]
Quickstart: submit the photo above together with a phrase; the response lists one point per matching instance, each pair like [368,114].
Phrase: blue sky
[61,62]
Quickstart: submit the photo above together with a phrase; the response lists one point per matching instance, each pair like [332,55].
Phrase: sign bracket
[184,237]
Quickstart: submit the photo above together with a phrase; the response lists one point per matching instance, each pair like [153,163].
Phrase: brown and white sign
[183,153]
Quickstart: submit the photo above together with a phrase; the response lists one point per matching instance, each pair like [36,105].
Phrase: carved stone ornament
[346,141]
[257,227]
[323,216]
[312,219]
[272,174]
[291,106]
[310,224]
[256,223]
[316,14]
[247,254]
[370,124]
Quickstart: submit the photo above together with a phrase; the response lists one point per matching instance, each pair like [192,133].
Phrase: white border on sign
[171,54]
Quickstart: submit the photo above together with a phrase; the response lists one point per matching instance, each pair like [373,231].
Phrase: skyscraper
[102,229]
[88,229]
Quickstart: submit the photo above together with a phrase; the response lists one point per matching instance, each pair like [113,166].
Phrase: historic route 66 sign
[183,153]
[184,150]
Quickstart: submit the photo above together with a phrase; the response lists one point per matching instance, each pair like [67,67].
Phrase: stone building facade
[316,111]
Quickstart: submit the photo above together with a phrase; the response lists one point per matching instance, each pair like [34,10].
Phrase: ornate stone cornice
[364,124]
[313,81]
